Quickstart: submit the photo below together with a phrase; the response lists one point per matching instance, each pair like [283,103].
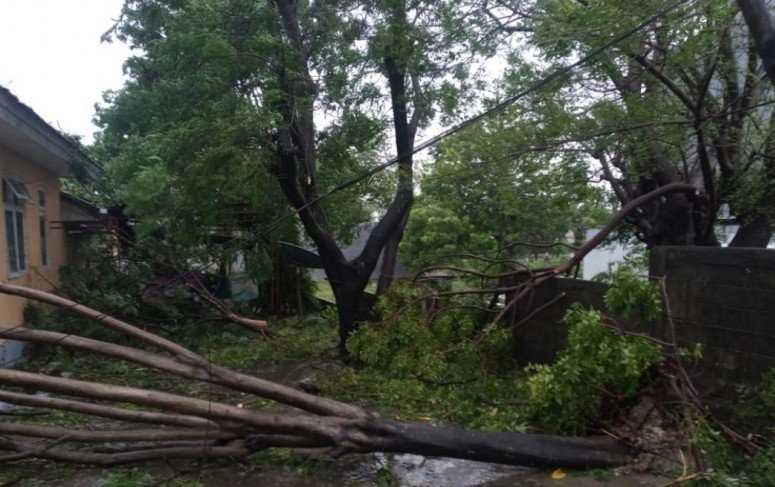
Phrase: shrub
[599,363]
[410,343]
[633,296]
[567,395]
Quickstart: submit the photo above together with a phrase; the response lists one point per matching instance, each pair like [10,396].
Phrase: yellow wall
[38,276]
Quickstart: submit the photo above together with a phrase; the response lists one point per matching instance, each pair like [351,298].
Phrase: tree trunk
[347,305]
[495,447]
[387,272]
[754,233]
[757,16]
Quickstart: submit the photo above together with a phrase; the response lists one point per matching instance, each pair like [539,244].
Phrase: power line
[501,106]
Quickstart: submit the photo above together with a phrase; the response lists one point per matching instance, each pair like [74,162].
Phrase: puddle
[419,471]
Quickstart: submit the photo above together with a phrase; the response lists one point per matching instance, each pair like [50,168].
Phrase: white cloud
[51,57]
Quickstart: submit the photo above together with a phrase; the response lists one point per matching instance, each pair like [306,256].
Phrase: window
[43,223]
[15,196]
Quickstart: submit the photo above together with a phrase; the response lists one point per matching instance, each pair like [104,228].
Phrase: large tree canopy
[228,97]
[488,190]
[679,101]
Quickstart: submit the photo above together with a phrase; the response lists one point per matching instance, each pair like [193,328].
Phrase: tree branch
[757,16]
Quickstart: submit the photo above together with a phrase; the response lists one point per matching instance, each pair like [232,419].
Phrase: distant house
[33,158]
[354,250]
[606,258]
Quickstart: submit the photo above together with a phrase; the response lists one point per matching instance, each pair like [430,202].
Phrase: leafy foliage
[598,364]
[633,296]
[486,188]
[442,346]
[438,367]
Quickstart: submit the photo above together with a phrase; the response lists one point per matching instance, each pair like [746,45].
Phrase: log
[54,433]
[523,449]
[111,412]
[27,450]
[343,427]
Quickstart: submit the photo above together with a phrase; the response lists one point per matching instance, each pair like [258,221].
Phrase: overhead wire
[495,109]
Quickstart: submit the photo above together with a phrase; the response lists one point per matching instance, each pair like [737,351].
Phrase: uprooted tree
[188,427]
[197,428]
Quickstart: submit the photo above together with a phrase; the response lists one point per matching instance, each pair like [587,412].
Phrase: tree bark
[345,428]
[112,459]
[387,272]
[754,233]
[91,409]
[507,448]
[757,16]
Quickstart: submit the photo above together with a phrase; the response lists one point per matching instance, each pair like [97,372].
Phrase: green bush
[433,366]
[633,296]
[437,346]
[598,363]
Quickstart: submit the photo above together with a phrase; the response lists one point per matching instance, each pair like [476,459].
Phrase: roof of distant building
[26,133]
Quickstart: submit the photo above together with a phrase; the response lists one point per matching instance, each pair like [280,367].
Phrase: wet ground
[315,468]
[363,471]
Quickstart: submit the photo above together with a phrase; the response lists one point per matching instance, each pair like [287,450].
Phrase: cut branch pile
[189,427]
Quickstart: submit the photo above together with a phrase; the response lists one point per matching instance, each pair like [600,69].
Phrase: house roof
[356,247]
[26,133]
[73,204]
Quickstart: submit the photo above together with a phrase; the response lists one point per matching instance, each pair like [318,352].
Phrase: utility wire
[435,140]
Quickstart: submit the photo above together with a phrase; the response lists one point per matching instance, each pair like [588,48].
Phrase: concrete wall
[723,298]
[36,275]
[543,336]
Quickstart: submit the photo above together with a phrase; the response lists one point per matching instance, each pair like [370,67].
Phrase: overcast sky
[51,58]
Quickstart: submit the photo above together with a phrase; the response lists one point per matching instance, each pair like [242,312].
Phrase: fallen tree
[189,427]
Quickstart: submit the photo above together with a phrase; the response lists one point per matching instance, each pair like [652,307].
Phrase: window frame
[43,228]
[14,205]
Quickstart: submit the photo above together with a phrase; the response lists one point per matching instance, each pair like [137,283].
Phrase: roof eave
[26,133]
